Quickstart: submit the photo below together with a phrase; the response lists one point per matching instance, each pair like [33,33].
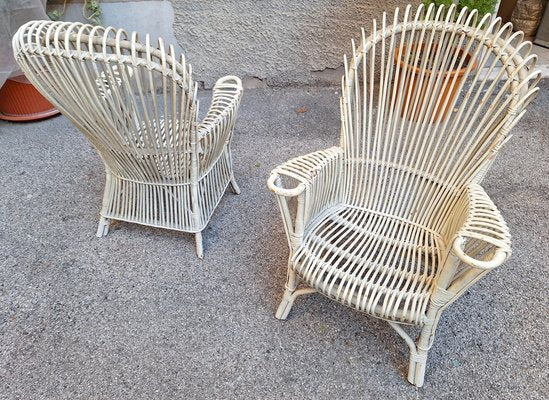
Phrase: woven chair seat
[373,262]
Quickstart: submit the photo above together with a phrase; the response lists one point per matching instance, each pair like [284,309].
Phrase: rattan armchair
[393,222]
[137,104]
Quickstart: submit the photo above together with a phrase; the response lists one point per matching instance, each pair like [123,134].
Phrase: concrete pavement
[137,315]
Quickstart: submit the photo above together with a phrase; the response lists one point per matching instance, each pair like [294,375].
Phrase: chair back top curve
[427,101]
[136,103]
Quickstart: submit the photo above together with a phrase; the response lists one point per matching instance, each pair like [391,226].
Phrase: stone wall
[265,42]
[154,17]
[272,42]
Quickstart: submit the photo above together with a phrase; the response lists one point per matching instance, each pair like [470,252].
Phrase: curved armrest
[482,230]
[274,179]
[318,177]
[499,257]
[303,169]
[227,93]
[215,130]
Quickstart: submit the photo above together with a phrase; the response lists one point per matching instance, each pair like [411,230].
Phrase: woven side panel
[168,206]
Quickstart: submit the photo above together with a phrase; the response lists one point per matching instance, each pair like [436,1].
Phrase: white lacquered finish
[136,103]
[393,222]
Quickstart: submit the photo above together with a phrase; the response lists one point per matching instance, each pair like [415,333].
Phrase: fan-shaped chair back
[414,133]
[135,103]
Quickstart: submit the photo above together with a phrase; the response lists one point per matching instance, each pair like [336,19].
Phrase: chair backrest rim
[393,130]
[55,32]
[514,60]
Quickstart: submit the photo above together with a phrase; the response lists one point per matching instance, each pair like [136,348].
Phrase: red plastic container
[20,101]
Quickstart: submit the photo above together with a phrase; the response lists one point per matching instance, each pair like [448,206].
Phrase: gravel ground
[137,315]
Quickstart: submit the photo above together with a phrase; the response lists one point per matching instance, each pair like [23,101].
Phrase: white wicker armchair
[393,222]
[137,105]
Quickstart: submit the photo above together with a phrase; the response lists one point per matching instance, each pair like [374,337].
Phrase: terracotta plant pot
[447,91]
[20,101]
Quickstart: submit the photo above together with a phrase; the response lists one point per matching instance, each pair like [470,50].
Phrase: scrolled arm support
[215,130]
[496,260]
[306,170]
[481,229]
[478,241]
[226,96]
[273,184]
[317,177]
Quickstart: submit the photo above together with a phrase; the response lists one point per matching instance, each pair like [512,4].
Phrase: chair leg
[199,248]
[234,185]
[287,301]
[416,368]
[418,350]
[285,305]
[103,227]
[290,294]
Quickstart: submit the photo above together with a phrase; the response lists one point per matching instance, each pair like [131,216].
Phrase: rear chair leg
[103,227]
[199,248]
[234,185]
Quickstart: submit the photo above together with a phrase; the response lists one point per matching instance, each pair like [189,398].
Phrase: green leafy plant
[437,3]
[91,11]
[54,15]
[94,9]
[482,6]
